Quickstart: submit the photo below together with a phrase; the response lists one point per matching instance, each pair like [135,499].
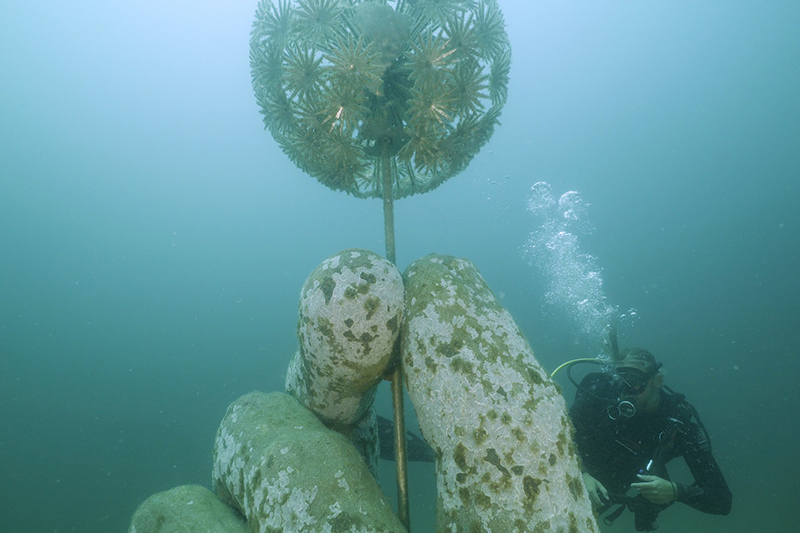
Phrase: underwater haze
[154,238]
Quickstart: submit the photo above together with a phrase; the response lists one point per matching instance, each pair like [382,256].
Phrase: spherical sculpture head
[351,89]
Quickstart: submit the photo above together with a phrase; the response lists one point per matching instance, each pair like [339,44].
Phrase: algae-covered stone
[285,471]
[351,309]
[186,509]
[498,425]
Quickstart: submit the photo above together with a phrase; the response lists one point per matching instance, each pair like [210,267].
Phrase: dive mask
[633,381]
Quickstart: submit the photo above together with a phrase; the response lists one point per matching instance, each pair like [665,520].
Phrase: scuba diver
[628,426]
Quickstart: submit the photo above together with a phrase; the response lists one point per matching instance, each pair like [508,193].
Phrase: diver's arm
[709,493]
[656,489]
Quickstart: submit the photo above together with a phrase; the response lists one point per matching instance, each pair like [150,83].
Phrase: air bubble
[574,279]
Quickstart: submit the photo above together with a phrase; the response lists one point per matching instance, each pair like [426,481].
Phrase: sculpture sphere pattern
[349,87]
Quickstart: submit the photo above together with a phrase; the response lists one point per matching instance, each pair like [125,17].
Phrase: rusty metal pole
[401,460]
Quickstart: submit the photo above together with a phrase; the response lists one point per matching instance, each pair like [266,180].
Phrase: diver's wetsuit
[615,451]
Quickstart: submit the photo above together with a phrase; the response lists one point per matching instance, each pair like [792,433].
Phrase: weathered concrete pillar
[351,309]
[498,425]
[285,471]
[186,509]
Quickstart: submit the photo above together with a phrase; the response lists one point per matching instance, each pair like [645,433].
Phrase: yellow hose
[583,360]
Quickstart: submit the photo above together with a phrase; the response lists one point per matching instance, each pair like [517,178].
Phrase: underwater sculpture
[388,98]
[505,460]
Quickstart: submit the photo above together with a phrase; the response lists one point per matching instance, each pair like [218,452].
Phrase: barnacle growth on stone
[352,89]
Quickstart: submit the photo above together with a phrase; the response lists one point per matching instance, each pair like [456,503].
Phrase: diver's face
[639,390]
[648,399]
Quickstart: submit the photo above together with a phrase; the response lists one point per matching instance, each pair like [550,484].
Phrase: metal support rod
[400,448]
[388,209]
[401,460]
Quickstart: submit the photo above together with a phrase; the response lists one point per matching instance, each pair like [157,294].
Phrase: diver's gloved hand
[597,492]
[656,489]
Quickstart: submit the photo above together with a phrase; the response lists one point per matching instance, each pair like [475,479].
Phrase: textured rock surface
[277,463]
[351,309]
[505,458]
[186,509]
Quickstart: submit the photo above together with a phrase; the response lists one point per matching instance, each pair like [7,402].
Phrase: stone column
[351,309]
[186,509]
[498,424]
[285,471]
